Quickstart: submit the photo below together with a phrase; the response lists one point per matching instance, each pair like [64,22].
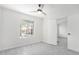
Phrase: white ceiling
[52,10]
[24,8]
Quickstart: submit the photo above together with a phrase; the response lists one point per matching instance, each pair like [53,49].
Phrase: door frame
[59,21]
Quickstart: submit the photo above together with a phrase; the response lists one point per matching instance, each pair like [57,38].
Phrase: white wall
[73,28]
[11,29]
[1,26]
[50,31]
[56,11]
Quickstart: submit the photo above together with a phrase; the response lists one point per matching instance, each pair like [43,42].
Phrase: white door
[73,32]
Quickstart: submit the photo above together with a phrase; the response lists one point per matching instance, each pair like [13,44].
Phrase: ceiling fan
[40,9]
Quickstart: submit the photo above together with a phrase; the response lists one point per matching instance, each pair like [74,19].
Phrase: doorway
[62,32]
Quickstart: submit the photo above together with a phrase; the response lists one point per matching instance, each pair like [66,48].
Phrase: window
[26,28]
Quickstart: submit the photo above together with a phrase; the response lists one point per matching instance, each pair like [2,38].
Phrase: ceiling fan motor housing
[39,5]
[39,10]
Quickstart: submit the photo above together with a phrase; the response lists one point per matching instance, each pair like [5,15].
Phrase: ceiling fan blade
[34,11]
[44,13]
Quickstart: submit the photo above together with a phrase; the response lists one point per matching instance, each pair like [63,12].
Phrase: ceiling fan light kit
[39,10]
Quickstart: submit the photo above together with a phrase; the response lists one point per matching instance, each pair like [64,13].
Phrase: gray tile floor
[40,48]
